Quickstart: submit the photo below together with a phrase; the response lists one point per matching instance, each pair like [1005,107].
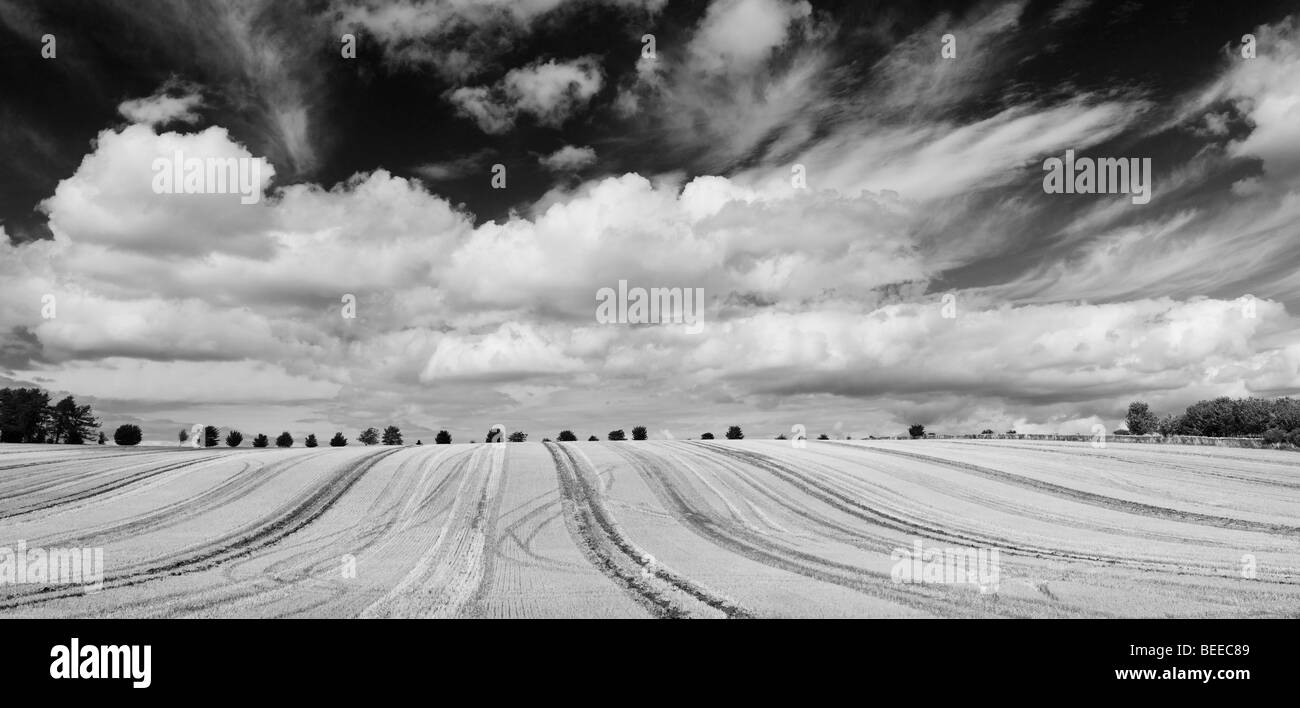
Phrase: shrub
[369,436]
[419,441]
[1274,436]
[1121,431]
[546,439]
[311,440]
[392,435]
[1293,437]
[567,436]
[284,440]
[261,440]
[128,435]
[823,436]
[781,436]
[1010,432]
[707,436]
[617,435]
[102,438]
[593,439]
[234,438]
[916,430]
[442,438]
[638,433]
[987,431]
[182,436]
[735,433]
[518,436]
[338,440]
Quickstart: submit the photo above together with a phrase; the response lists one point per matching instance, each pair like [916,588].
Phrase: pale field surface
[753,528]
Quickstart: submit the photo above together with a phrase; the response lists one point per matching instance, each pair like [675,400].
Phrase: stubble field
[658,529]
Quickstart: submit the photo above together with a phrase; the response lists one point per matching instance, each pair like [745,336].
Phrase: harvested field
[706,529]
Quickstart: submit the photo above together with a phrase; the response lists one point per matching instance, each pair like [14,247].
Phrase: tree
[638,433]
[567,436]
[593,439]
[338,440]
[211,436]
[261,440]
[128,434]
[71,423]
[1293,437]
[1010,432]
[916,430]
[1140,419]
[987,431]
[823,436]
[518,436]
[734,433]
[311,440]
[442,438]
[546,439]
[1169,425]
[24,415]
[617,435]
[781,436]
[369,436]
[234,438]
[419,441]
[392,435]
[182,436]
[284,440]
[102,438]
[707,436]
[495,434]
[1274,436]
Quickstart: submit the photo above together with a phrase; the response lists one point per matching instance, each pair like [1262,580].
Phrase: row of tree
[26,416]
[1274,419]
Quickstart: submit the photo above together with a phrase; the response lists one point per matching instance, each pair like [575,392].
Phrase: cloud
[551,92]
[568,159]
[165,106]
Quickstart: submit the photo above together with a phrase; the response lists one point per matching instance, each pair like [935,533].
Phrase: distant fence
[1151,439]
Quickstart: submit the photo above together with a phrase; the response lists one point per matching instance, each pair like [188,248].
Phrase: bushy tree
[128,434]
[593,439]
[369,436]
[182,436]
[311,440]
[617,435]
[706,436]
[1274,436]
[1293,437]
[1140,419]
[1284,413]
[211,436]
[567,436]
[735,433]
[1169,425]
[338,440]
[638,433]
[71,423]
[234,438]
[823,436]
[916,430]
[392,435]
[518,436]
[24,415]
[419,441]
[102,438]
[260,440]
[987,431]
[284,440]
[442,438]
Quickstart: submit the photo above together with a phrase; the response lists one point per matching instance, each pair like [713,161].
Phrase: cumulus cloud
[551,92]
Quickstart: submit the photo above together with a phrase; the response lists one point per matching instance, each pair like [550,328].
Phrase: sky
[856,187]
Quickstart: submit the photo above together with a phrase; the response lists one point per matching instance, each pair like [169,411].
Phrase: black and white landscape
[628,308]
